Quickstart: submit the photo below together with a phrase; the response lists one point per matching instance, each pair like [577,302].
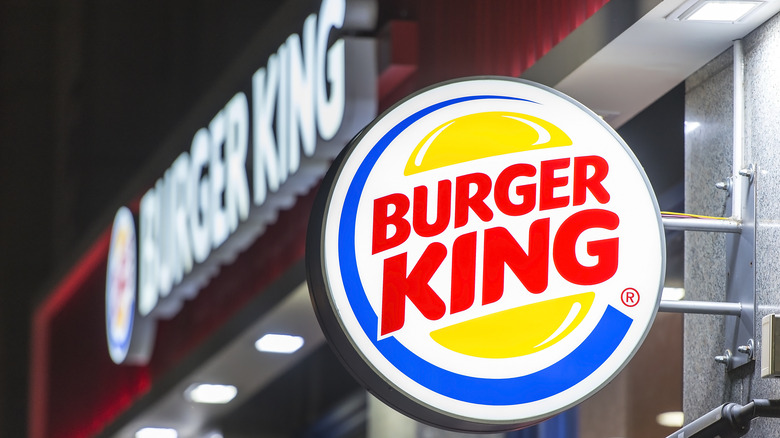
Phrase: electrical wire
[671,214]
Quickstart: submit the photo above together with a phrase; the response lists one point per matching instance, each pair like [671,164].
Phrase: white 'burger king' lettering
[200,201]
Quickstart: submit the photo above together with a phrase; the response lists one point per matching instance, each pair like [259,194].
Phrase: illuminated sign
[234,167]
[486,254]
[205,193]
[120,285]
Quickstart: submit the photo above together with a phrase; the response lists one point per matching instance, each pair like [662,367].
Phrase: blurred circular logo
[471,249]
[121,285]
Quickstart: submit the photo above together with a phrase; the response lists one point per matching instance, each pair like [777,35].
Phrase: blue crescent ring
[572,369]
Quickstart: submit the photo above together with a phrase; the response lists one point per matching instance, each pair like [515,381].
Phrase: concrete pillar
[708,160]
[386,422]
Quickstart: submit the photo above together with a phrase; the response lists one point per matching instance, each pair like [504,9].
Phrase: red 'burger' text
[553,188]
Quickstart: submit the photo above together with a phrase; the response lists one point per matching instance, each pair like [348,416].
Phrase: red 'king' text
[501,249]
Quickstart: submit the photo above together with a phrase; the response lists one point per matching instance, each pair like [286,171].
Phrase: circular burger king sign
[486,254]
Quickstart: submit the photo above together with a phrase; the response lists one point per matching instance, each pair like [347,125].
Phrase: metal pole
[729,420]
[738,183]
[701,307]
[702,224]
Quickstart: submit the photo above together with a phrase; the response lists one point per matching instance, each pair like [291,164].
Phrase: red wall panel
[492,37]
[70,356]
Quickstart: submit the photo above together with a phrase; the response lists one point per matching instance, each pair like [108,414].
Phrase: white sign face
[488,253]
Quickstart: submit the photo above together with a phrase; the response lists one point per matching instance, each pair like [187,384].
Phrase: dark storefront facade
[220,170]
[259,266]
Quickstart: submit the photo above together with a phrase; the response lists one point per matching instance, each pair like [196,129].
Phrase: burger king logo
[486,254]
[121,285]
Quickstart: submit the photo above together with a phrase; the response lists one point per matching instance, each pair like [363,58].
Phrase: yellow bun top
[481,135]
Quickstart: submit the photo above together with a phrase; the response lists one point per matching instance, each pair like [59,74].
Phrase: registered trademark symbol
[630,297]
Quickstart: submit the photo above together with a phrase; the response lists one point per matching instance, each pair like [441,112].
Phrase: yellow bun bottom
[518,331]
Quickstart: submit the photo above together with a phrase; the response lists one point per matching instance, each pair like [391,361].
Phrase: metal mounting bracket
[741,275]
[739,309]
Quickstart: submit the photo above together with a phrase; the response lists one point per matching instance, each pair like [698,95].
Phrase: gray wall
[707,161]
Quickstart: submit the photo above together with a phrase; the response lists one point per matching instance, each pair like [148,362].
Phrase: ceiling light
[670,419]
[673,294]
[210,393]
[691,126]
[278,343]
[730,11]
[723,11]
[157,432]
